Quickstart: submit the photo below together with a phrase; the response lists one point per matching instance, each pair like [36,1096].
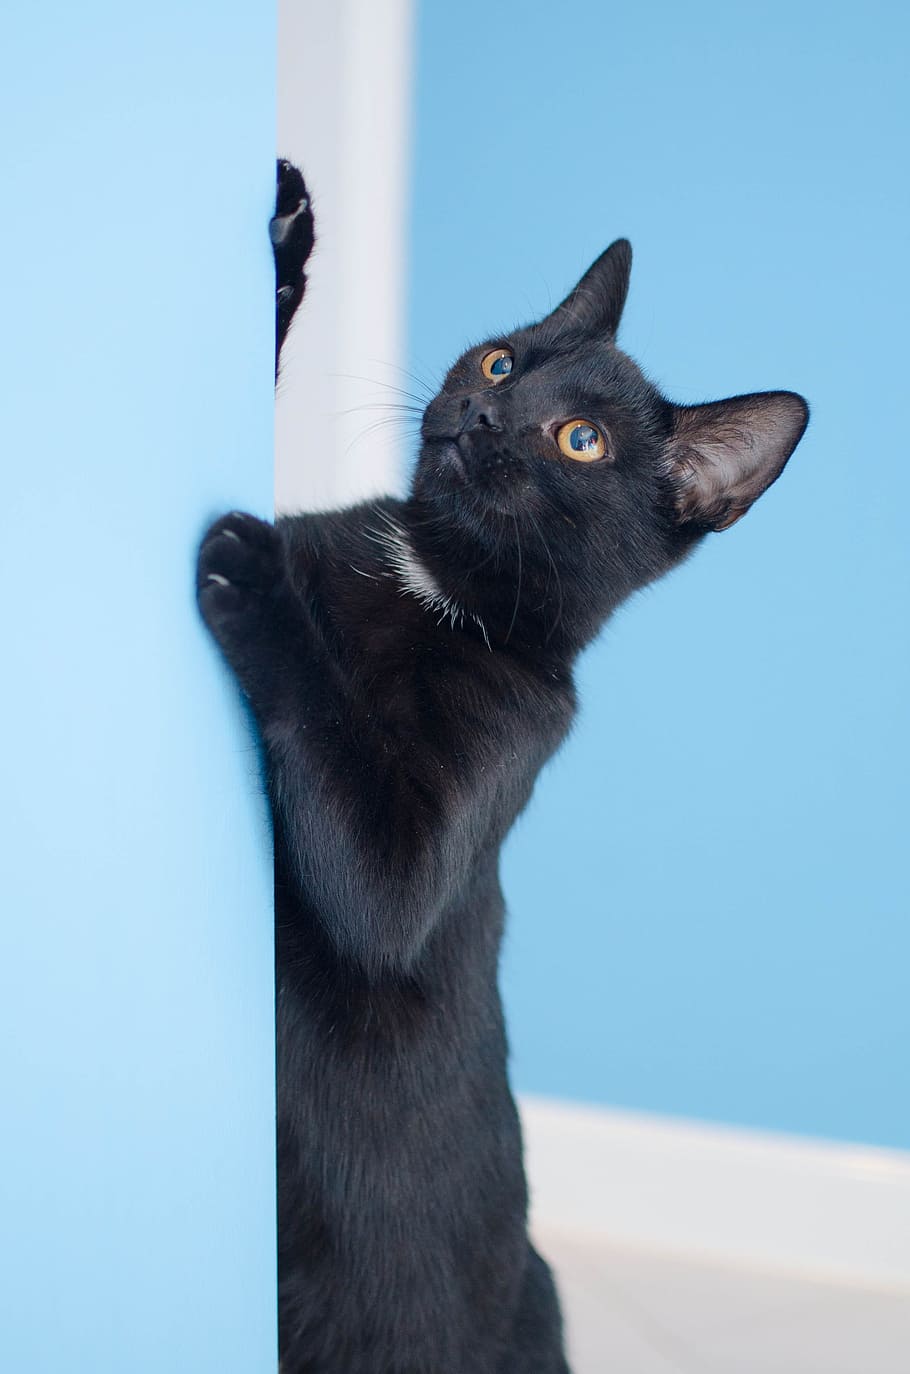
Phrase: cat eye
[582,441]
[497,364]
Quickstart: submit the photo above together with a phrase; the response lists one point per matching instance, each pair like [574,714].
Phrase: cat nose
[478,412]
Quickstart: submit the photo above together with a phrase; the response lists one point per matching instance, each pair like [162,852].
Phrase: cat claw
[291,226]
[239,556]
[281,225]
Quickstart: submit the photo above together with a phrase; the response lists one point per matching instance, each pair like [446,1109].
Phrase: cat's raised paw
[292,234]
[291,226]
[239,564]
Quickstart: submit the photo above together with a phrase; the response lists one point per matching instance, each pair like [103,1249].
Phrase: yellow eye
[497,365]
[582,441]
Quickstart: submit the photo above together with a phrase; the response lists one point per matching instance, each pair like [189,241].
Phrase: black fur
[292,234]
[409,664]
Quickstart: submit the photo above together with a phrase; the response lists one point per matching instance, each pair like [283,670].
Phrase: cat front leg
[354,826]
[245,601]
[374,829]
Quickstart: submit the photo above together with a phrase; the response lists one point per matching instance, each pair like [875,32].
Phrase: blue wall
[136,1039]
[709,897]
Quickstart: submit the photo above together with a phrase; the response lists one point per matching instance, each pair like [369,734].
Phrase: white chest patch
[415,577]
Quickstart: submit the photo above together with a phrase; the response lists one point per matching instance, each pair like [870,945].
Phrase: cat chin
[440,473]
[453,461]
[444,457]
[471,498]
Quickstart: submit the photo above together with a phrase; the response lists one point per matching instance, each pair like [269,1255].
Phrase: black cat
[409,664]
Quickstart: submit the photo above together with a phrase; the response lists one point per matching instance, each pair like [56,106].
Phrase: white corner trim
[344,114]
[821,1208]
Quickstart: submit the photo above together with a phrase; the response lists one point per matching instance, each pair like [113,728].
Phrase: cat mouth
[456,462]
[450,456]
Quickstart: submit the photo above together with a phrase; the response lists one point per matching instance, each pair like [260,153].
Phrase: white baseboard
[620,1178]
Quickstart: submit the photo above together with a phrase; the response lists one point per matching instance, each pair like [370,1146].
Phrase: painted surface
[709,896]
[344,87]
[136,1019]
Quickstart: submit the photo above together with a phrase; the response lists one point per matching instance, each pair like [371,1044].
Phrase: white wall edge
[344,114]
[617,1178]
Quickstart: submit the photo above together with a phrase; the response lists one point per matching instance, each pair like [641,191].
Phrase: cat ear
[724,455]
[595,305]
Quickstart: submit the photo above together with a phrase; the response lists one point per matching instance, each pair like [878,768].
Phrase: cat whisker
[400,407]
[421,400]
[518,589]
[424,383]
[401,421]
[558,621]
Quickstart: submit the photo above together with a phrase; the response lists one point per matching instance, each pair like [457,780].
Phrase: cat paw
[291,227]
[292,234]
[239,565]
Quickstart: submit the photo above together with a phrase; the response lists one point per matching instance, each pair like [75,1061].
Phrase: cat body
[409,664]
[391,1042]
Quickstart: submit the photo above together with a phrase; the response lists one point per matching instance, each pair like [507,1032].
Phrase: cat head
[554,478]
